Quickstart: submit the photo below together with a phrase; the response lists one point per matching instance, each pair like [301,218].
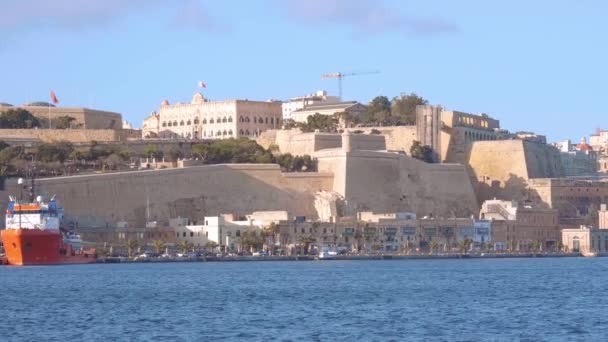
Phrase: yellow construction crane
[341,75]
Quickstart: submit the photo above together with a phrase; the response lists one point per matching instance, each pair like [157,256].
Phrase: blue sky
[534,65]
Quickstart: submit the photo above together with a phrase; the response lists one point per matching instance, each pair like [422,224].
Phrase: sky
[534,65]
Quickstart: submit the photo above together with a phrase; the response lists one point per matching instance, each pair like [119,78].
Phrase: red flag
[54,98]
[201,84]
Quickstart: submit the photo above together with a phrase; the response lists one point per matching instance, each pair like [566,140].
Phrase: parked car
[260,254]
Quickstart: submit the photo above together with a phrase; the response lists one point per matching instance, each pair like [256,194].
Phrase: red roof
[584,147]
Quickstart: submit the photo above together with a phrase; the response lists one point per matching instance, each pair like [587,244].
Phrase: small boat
[33,235]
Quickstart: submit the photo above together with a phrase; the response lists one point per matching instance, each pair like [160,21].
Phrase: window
[204,121]
[230,119]
[267,121]
[241,132]
[184,234]
[181,123]
[196,121]
[247,119]
[230,132]
[224,119]
[211,121]
[218,133]
[218,120]
[241,119]
[224,132]
[255,120]
[260,120]
[210,134]
[164,124]
[188,123]
[169,124]
[174,123]
[272,121]
[247,132]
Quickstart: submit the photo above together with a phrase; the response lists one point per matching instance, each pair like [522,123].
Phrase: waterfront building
[585,240]
[520,227]
[599,140]
[298,103]
[225,230]
[210,120]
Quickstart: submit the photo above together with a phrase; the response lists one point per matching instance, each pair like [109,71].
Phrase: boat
[33,234]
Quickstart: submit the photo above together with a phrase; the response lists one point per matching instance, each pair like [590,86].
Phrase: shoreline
[112,260]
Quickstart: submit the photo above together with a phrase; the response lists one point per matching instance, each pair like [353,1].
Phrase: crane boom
[341,75]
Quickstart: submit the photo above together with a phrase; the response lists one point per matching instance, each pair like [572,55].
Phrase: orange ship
[33,236]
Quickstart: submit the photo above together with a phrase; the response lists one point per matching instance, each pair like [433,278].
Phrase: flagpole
[49,115]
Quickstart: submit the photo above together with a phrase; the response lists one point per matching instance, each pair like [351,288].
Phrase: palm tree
[433,246]
[131,244]
[159,245]
[306,240]
[211,245]
[464,246]
[559,245]
[535,246]
[185,246]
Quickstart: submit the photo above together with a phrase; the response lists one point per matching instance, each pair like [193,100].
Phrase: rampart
[72,135]
[194,192]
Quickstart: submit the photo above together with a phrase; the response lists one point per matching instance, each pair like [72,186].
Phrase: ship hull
[40,247]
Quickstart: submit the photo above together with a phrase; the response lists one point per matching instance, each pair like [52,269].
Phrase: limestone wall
[88,118]
[391,182]
[502,168]
[397,138]
[72,135]
[195,192]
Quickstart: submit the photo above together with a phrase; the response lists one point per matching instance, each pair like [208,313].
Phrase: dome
[583,146]
[4,104]
[198,98]
[38,104]
[164,103]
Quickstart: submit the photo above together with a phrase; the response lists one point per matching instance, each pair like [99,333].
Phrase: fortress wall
[391,182]
[542,161]
[72,135]
[397,138]
[195,192]
[88,118]
[369,142]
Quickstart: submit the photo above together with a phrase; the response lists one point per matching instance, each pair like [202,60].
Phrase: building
[297,103]
[585,240]
[599,140]
[225,230]
[84,117]
[353,108]
[448,132]
[519,227]
[204,119]
[577,160]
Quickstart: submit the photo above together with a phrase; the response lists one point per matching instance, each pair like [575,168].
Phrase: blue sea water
[536,299]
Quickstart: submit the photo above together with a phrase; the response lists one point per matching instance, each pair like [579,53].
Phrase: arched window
[169,124]
[164,124]
[230,132]
[255,120]
[211,120]
[211,133]
[247,119]
[224,132]
[238,233]
[174,123]
[181,123]
[188,123]
[204,121]
[278,121]
[247,132]
[241,119]
[224,119]
[272,121]
[241,132]
[196,121]
[267,121]
[218,133]
[218,120]
[230,119]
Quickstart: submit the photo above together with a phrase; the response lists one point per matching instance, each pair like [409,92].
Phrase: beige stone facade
[85,117]
[71,135]
[585,240]
[353,108]
[203,119]
[518,227]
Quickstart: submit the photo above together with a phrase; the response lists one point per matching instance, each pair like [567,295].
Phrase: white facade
[203,119]
[297,103]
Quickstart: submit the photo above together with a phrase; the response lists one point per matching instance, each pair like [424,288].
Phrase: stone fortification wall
[72,135]
[195,192]
[88,118]
[502,168]
[397,138]
[392,182]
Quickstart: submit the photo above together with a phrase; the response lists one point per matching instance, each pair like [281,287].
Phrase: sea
[526,299]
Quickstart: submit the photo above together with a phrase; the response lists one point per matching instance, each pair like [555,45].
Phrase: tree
[151,151]
[159,245]
[173,154]
[535,245]
[211,245]
[464,245]
[131,245]
[64,122]
[422,152]
[51,152]
[403,108]
[323,123]
[289,124]
[306,240]
[184,246]
[250,240]
[113,161]
[379,111]
[433,246]
[18,118]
